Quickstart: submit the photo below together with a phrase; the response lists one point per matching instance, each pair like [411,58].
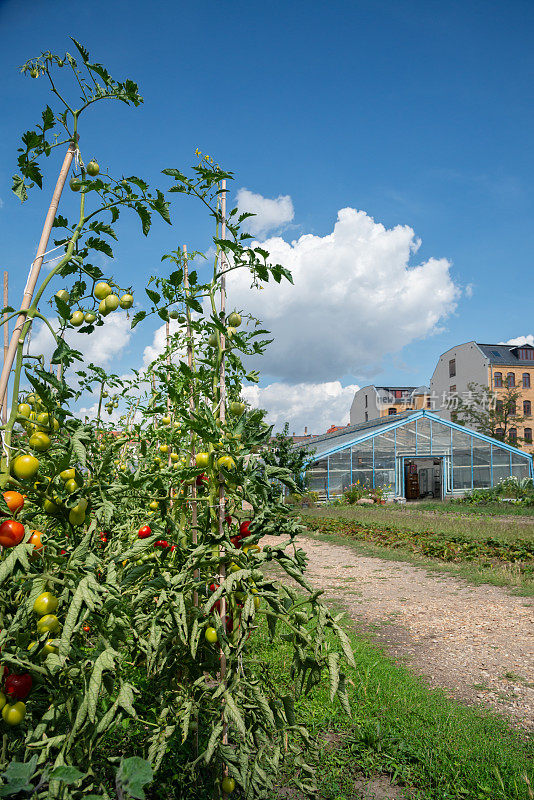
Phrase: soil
[475,641]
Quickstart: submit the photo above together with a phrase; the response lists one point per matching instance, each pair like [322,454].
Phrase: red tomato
[144,532]
[87,628]
[161,543]
[11,533]
[18,686]
[228,519]
[236,541]
[244,528]
[202,479]
[14,501]
[35,539]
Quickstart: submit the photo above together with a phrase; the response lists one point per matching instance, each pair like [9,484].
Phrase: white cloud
[315,406]
[468,291]
[270,214]
[152,351]
[354,299]
[104,344]
[528,339]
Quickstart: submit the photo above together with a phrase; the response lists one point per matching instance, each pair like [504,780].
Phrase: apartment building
[373,402]
[497,366]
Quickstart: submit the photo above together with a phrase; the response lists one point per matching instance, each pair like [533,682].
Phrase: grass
[419,737]
[486,510]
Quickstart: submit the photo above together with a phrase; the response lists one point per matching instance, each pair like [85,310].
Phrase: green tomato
[210,634]
[103,309]
[90,317]
[77,318]
[93,168]
[228,785]
[24,410]
[45,603]
[40,441]
[13,714]
[3,700]
[75,184]
[212,340]
[48,624]
[62,294]
[68,474]
[25,467]
[173,314]
[126,301]
[50,507]
[230,332]
[154,505]
[227,462]
[112,302]
[164,448]
[165,420]
[102,290]
[237,409]
[76,517]
[234,319]
[71,486]
[202,460]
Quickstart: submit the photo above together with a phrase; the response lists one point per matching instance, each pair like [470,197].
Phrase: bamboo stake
[167,340]
[35,269]
[190,364]
[6,345]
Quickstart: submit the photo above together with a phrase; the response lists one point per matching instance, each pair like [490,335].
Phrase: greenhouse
[415,455]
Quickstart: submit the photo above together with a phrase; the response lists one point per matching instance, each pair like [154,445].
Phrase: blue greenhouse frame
[519,461]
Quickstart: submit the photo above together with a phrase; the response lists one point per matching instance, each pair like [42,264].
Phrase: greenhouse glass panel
[423,437]
[385,478]
[441,438]
[385,450]
[501,464]
[339,471]
[406,439]
[316,477]
[362,463]
[520,466]
[461,459]
[481,464]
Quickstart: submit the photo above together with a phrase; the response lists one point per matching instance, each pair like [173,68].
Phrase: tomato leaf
[133,775]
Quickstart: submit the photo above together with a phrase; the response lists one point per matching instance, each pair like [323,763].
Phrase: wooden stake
[34,272]
[6,345]
[190,364]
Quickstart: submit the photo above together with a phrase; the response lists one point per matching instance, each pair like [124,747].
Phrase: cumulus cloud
[528,339]
[152,351]
[315,406]
[270,214]
[104,344]
[355,299]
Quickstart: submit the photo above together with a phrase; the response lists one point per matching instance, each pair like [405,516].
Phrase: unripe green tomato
[105,394]
[175,457]
[68,474]
[212,340]
[90,317]
[112,302]
[48,624]
[81,505]
[176,466]
[234,319]
[13,714]
[115,404]
[210,634]
[126,301]
[71,486]
[157,461]
[3,700]
[237,409]
[173,314]
[165,420]
[45,603]
[230,332]
[25,467]
[103,309]
[76,517]
[40,441]
[228,785]
[77,318]
[49,648]
[45,420]
[202,460]
[154,505]
[102,290]
[164,448]
[75,184]
[24,410]
[62,294]
[227,462]
[93,168]
[50,507]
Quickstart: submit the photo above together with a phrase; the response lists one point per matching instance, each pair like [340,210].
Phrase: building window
[499,434]
[512,409]
[452,368]
[528,435]
[527,408]
[512,435]
[526,353]
[366,401]
[429,402]
[366,417]
[391,411]
[452,389]
[499,406]
[497,380]
[526,380]
[398,394]
[510,380]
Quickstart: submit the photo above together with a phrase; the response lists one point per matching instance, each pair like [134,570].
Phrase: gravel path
[476,641]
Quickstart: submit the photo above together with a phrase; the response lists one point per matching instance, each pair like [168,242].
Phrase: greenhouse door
[422,478]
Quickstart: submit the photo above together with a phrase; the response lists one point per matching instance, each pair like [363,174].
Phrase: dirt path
[477,641]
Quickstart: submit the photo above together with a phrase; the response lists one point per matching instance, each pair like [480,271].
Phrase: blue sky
[418,113]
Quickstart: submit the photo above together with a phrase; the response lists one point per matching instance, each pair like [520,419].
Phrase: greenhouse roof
[322,446]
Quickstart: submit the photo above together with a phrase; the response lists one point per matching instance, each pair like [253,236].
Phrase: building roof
[506,354]
[396,388]
[352,431]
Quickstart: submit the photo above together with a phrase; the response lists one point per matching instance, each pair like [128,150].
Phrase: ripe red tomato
[35,539]
[244,528]
[18,686]
[202,479]
[11,533]
[161,543]
[228,519]
[87,628]
[144,532]
[14,501]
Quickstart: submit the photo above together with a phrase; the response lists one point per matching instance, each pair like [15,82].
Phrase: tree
[489,412]
[282,453]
